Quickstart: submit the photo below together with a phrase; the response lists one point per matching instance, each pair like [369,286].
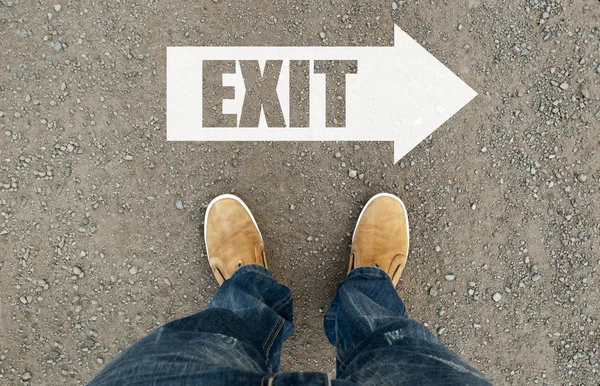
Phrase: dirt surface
[95,253]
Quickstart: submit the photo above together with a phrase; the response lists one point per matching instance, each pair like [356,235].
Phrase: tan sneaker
[381,236]
[231,236]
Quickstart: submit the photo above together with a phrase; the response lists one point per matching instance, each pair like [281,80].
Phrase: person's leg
[376,342]
[238,338]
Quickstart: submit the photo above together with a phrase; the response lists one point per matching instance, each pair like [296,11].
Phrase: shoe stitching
[395,272]
[220,273]
[352,261]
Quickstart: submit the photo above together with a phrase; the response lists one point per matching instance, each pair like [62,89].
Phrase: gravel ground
[100,233]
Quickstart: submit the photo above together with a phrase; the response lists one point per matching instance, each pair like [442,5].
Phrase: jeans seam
[269,378]
[379,276]
[340,357]
[279,305]
[272,335]
[256,271]
[342,367]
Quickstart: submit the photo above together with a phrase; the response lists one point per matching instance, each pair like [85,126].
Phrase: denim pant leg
[236,340]
[377,343]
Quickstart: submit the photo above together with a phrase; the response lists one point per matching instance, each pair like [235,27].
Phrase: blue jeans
[237,340]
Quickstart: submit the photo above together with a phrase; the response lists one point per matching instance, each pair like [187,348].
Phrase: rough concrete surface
[95,253]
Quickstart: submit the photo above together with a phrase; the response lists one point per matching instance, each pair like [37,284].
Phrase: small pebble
[433,291]
[585,92]
[179,204]
[450,277]
[133,270]
[128,157]
[497,297]
[582,178]
[536,277]
[322,35]
[57,7]
[564,86]
[352,173]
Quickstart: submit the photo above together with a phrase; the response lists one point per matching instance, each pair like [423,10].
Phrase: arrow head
[427,93]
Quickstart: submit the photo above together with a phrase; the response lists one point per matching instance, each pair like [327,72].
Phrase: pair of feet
[233,239]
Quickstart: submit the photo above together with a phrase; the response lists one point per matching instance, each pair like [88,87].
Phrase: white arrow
[400,93]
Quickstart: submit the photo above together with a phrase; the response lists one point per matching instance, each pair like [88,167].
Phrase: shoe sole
[219,198]
[373,199]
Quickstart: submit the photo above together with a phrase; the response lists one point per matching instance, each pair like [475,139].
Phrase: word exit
[399,93]
[261,92]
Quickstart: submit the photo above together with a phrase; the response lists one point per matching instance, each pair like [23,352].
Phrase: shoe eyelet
[377,265]
[239,264]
